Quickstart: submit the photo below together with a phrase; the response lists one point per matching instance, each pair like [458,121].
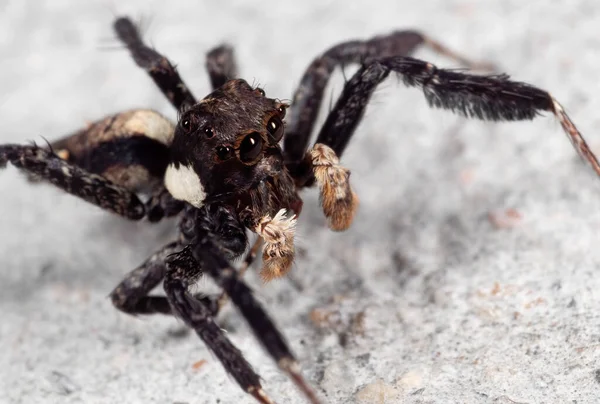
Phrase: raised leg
[309,95]
[221,65]
[183,270]
[158,67]
[44,164]
[212,262]
[493,98]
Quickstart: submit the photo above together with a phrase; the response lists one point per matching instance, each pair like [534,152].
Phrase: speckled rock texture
[469,276]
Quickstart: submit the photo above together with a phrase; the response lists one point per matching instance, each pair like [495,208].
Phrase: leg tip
[341,215]
[259,394]
[276,266]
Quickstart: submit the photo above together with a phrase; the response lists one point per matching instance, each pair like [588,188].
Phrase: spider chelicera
[221,170]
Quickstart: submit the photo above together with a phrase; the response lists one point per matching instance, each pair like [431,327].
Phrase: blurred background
[470,274]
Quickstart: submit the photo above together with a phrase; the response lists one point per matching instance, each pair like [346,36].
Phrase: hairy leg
[183,270]
[131,295]
[309,95]
[492,98]
[220,302]
[206,252]
[158,67]
[42,163]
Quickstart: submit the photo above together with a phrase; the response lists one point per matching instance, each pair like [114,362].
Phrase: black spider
[222,170]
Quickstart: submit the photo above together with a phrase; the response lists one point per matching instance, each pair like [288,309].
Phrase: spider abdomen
[131,148]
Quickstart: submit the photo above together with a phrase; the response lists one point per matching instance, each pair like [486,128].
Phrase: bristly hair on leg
[485,97]
[491,97]
[160,69]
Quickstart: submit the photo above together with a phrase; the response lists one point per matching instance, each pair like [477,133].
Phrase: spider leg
[308,97]
[131,295]
[212,262]
[107,163]
[43,163]
[490,97]
[182,271]
[157,66]
[221,65]
[220,302]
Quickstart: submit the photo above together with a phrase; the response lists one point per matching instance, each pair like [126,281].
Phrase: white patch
[184,184]
[151,124]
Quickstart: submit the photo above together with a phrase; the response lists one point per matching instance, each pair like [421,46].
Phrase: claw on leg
[337,198]
[259,394]
[278,250]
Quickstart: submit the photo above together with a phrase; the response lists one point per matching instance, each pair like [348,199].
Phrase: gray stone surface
[432,296]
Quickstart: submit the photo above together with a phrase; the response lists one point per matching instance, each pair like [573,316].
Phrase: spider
[222,171]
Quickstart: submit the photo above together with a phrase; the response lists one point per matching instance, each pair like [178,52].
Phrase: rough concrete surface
[469,276]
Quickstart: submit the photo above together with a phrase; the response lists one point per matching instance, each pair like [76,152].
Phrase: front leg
[93,188]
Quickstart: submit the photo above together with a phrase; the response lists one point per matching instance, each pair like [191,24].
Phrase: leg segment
[212,262]
[493,98]
[131,295]
[309,95]
[337,198]
[221,66]
[248,260]
[182,271]
[158,67]
[43,163]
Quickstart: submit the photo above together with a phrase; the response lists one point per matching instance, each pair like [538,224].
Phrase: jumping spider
[221,170]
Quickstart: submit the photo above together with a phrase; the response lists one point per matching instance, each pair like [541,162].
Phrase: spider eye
[282,109]
[209,132]
[224,152]
[251,147]
[260,91]
[275,128]
[188,124]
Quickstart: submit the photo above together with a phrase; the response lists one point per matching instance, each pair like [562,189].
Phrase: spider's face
[226,144]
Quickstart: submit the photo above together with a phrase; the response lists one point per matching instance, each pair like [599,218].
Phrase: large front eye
[251,147]
[275,128]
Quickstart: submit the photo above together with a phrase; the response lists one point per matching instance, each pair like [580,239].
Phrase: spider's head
[226,144]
